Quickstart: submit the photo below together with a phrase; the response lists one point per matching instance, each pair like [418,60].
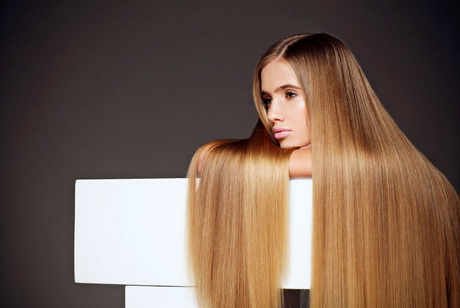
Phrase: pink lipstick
[280,132]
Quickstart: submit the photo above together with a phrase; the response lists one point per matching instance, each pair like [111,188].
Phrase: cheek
[301,115]
[302,123]
[301,106]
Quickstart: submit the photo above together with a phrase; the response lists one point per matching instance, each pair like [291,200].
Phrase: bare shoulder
[300,163]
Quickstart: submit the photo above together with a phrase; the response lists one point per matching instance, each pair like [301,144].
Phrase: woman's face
[285,103]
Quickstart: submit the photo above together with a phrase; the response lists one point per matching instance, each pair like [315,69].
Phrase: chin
[288,145]
[294,145]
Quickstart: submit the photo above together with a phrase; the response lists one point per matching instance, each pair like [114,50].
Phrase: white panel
[164,297]
[132,232]
[300,234]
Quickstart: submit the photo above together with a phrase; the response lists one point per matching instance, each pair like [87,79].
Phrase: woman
[386,221]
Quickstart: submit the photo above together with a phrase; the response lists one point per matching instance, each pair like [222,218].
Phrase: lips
[280,132]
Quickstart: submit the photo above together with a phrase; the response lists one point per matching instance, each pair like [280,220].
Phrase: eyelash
[266,101]
[288,95]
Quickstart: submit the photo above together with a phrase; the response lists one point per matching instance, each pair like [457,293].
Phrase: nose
[275,112]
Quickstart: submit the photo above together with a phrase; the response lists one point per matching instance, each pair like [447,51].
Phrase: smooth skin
[288,115]
[285,103]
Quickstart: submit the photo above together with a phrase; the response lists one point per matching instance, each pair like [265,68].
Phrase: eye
[266,101]
[290,94]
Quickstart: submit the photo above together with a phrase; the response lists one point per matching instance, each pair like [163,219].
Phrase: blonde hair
[386,221]
[237,221]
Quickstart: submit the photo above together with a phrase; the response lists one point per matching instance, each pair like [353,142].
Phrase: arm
[300,165]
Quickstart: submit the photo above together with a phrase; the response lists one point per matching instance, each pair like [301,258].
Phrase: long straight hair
[386,221]
[237,216]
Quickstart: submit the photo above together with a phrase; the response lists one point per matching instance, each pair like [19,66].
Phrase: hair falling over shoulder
[237,221]
[386,222]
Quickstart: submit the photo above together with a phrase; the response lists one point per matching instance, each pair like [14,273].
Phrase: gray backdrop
[113,89]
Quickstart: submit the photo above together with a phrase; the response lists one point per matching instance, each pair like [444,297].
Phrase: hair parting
[385,221]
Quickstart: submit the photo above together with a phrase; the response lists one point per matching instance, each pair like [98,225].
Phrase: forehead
[276,74]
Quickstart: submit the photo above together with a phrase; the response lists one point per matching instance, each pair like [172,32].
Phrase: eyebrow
[283,87]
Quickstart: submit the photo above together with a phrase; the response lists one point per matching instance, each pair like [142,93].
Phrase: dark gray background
[112,89]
